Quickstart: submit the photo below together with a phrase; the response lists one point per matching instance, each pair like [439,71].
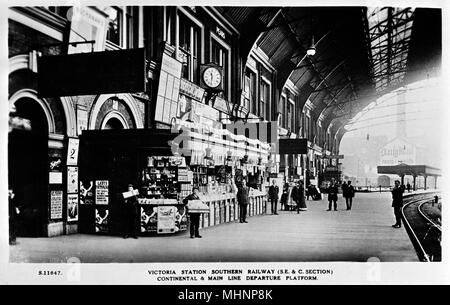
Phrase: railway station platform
[315,235]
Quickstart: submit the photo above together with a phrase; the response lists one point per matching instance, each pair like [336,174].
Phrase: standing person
[273,196]
[349,194]
[13,213]
[344,186]
[295,195]
[408,187]
[285,196]
[242,198]
[332,195]
[301,203]
[397,203]
[131,214]
[194,218]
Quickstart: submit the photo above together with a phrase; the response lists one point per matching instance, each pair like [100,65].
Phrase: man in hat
[194,218]
[273,196]
[131,214]
[242,199]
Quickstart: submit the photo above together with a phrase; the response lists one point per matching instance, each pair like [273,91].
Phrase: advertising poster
[86,193]
[72,207]
[101,192]
[56,204]
[149,218]
[181,219]
[101,220]
[166,219]
[72,151]
[72,179]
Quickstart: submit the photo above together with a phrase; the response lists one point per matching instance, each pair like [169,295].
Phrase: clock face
[212,77]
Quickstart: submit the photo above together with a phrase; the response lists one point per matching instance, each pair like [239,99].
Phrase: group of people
[348,192]
[242,195]
[297,195]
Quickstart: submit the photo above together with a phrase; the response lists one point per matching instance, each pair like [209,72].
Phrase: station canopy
[412,170]
[361,53]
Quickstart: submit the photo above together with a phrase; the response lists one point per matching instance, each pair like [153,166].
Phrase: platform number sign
[72,151]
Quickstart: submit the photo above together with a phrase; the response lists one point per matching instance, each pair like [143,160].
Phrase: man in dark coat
[132,215]
[332,195]
[194,218]
[284,196]
[397,203]
[242,199]
[273,196]
[348,192]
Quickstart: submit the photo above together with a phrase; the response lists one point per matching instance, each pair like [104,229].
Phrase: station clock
[211,77]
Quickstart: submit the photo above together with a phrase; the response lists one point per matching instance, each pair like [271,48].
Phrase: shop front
[110,160]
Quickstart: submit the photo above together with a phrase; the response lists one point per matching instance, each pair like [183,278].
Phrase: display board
[168,89]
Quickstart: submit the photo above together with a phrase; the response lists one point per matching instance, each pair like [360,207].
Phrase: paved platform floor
[315,235]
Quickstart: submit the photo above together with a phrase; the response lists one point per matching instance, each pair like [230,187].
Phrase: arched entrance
[27,167]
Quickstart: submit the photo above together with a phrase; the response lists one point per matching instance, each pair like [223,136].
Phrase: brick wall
[22,39]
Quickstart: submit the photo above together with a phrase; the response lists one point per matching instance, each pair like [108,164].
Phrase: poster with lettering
[56,204]
[72,179]
[101,192]
[72,207]
[101,220]
[181,219]
[166,219]
[149,218]
[72,151]
[86,192]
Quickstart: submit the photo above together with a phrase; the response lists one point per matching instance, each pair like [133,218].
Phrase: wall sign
[101,192]
[168,89]
[55,178]
[191,90]
[72,207]
[72,151]
[56,204]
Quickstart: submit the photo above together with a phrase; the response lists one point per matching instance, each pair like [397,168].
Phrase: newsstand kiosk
[110,160]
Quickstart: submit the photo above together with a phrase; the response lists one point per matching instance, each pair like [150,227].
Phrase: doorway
[27,168]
